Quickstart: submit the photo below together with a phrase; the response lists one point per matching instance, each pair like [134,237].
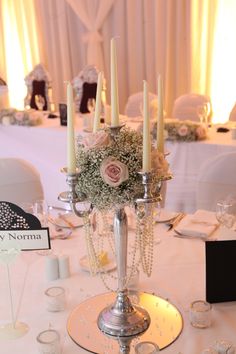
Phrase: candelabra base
[165,327]
[122,319]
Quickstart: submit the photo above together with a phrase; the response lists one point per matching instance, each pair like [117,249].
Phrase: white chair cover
[19,181]
[185,106]
[232,116]
[134,105]
[216,180]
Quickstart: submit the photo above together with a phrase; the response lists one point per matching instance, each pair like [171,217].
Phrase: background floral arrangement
[14,117]
[109,167]
[177,130]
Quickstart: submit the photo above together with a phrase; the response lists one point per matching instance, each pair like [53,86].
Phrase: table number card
[21,228]
[220,271]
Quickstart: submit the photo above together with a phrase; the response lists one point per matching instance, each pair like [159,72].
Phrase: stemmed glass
[91,105]
[226,212]
[40,102]
[203,112]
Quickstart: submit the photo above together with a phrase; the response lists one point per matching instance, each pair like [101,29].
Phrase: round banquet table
[178,275]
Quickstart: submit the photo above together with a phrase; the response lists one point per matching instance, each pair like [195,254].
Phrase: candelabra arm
[71,196]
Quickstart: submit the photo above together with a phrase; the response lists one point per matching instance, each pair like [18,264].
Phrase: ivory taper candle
[97,115]
[146,131]
[71,158]
[160,117]
[114,86]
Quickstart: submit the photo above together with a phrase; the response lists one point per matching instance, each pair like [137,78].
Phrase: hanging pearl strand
[93,253]
[145,236]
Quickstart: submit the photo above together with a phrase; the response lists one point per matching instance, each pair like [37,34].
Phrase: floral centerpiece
[109,167]
[177,130]
[26,118]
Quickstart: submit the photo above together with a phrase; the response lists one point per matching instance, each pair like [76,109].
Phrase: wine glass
[91,105]
[203,112]
[40,102]
[226,212]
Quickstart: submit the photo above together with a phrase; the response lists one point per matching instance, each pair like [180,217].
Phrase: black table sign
[220,271]
[22,229]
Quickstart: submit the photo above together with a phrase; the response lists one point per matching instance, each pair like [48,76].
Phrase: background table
[45,147]
[178,274]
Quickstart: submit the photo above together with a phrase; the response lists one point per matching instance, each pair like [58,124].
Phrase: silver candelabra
[122,319]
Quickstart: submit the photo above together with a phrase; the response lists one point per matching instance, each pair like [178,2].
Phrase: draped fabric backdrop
[166,37]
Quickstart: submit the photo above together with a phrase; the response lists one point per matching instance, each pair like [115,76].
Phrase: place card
[22,229]
[220,275]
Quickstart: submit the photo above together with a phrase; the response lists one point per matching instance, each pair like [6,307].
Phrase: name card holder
[19,231]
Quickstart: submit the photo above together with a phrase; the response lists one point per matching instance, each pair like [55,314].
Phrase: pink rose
[113,172]
[19,116]
[95,140]
[159,163]
[201,132]
[183,130]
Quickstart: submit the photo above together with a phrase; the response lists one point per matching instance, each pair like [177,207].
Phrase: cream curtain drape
[18,46]
[166,37]
[92,13]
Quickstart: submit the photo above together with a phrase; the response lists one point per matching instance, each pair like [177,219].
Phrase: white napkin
[201,224]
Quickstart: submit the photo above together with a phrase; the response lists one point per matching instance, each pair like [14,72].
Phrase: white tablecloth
[45,147]
[185,161]
[178,274]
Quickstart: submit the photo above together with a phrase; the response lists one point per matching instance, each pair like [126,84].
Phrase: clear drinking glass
[27,207]
[49,342]
[200,314]
[226,212]
[41,212]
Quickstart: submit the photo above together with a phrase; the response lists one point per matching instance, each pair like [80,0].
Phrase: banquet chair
[133,107]
[19,181]
[85,86]
[232,116]
[216,180]
[186,107]
[38,84]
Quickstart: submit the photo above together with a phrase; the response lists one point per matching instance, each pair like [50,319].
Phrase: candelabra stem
[121,239]
[122,319]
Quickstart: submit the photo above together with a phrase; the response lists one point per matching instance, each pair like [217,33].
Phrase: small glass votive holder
[49,342]
[224,347]
[146,348]
[200,314]
[55,299]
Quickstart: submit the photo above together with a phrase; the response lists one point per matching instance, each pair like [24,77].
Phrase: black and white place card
[21,228]
[220,271]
